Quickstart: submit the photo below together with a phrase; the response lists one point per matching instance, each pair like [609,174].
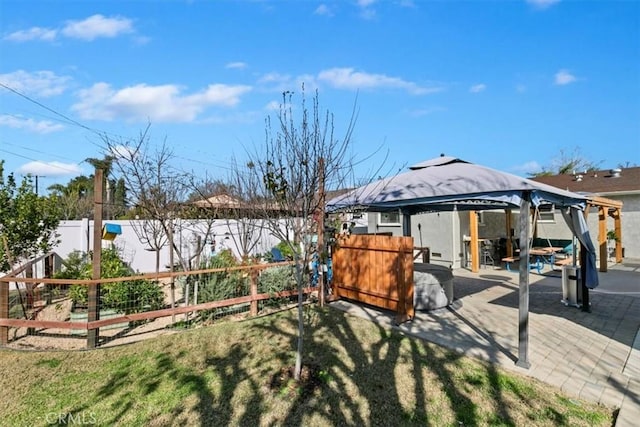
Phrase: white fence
[189,235]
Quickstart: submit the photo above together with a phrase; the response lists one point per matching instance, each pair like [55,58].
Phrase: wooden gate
[375,270]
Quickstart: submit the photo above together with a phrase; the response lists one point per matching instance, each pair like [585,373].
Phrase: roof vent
[615,173]
[578,177]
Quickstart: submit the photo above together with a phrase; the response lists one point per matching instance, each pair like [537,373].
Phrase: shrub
[224,284]
[276,279]
[130,296]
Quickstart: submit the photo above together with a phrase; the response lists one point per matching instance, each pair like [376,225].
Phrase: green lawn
[231,374]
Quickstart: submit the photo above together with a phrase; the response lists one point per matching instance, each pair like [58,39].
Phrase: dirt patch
[311,378]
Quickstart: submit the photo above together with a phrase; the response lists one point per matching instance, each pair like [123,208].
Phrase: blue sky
[507,84]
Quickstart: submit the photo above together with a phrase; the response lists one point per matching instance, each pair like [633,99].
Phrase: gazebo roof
[447,183]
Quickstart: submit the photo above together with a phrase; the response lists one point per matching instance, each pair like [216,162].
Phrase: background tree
[27,221]
[115,205]
[157,192]
[234,202]
[287,174]
[567,163]
[75,199]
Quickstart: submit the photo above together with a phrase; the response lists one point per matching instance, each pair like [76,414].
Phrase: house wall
[447,233]
[375,227]
[630,224]
[439,231]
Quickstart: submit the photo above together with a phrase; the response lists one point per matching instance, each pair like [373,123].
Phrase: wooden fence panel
[376,270]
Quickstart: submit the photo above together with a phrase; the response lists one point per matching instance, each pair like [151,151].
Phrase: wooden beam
[473,245]
[147,315]
[602,238]
[604,201]
[93,299]
[617,221]
[509,226]
[4,311]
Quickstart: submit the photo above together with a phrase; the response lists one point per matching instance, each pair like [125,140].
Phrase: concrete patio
[594,356]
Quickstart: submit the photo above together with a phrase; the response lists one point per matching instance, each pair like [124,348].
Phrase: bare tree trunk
[298,368]
[173,283]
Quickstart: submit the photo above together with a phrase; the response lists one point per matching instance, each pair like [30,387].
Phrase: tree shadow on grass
[167,373]
[379,394]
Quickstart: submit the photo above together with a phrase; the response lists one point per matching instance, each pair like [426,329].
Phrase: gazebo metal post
[523,289]
[586,307]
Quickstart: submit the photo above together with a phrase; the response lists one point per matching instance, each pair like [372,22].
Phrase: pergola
[606,207]
[450,184]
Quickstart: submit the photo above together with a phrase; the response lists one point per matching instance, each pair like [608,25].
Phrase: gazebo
[449,183]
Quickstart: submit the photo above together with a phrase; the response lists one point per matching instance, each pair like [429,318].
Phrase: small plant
[611,235]
[129,296]
[222,284]
[285,249]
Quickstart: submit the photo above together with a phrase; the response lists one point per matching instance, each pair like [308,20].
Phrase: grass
[231,374]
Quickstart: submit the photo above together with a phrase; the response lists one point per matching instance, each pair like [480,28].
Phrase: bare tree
[567,163]
[286,175]
[155,188]
[152,234]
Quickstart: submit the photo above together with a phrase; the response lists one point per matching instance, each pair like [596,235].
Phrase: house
[618,184]
[447,234]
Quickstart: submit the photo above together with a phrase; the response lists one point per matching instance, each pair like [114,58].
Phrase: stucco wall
[444,233]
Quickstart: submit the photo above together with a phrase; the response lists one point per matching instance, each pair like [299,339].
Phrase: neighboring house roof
[220,201]
[597,182]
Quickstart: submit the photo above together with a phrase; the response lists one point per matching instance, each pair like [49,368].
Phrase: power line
[36,160]
[104,135]
[38,103]
[4,141]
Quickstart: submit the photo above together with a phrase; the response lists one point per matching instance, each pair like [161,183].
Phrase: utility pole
[35,177]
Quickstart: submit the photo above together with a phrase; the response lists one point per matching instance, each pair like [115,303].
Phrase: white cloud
[18,122]
[285,82]
[49,169]
[347,78]
[97,26]
[323,10]
[528,167]
[366,9]
[122,152]
[564,77]
[274,78]
[141,40]
[426,111]
[33,33]
[478,88]
[273,106]
[542,4]
[40,83]
[88,29]
[163,103]
[236,65]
